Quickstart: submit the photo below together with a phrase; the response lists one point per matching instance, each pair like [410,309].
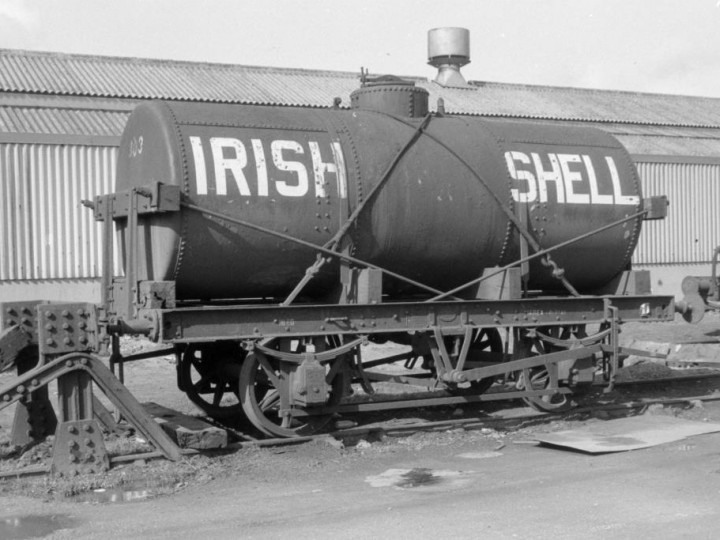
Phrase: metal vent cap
[449,50]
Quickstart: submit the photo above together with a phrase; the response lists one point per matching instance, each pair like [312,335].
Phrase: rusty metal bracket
[656,207]
[156,294]
[157,198]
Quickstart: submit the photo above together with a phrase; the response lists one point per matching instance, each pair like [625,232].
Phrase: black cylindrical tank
[302,171]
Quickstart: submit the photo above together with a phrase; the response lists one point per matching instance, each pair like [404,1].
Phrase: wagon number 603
[136,146]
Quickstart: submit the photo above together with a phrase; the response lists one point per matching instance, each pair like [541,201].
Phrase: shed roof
[67,94]
[116,77]
[103,76]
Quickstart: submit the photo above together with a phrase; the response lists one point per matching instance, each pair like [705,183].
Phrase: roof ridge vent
[449,50]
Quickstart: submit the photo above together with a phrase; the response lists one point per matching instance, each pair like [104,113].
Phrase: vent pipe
[449,50]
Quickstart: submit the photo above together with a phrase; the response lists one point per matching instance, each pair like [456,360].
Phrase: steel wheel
[209,376]
[260,387]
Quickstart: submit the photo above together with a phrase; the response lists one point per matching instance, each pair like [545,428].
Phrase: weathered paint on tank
[303,171]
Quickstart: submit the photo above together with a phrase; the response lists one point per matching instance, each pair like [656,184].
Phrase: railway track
[386,424]
[506,418]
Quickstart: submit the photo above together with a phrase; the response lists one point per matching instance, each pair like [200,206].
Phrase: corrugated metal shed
[75,75]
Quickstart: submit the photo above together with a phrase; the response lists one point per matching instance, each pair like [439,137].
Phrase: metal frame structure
[298,350]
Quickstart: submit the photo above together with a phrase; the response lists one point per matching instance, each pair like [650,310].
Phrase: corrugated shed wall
[692,229]
[45,232]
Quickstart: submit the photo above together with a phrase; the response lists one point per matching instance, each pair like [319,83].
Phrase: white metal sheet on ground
[627,434]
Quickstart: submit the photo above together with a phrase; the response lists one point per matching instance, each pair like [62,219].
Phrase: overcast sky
[666,46]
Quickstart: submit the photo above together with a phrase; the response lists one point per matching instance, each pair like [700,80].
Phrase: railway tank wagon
[442,214]
[266,244]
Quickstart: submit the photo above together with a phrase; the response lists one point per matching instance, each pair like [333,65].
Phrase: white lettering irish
[231,158]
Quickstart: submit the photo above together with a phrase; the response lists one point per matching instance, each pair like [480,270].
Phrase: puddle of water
[114,495]
[34,526]
[419,478]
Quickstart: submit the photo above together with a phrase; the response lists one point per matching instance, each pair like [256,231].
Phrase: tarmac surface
[454,486]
